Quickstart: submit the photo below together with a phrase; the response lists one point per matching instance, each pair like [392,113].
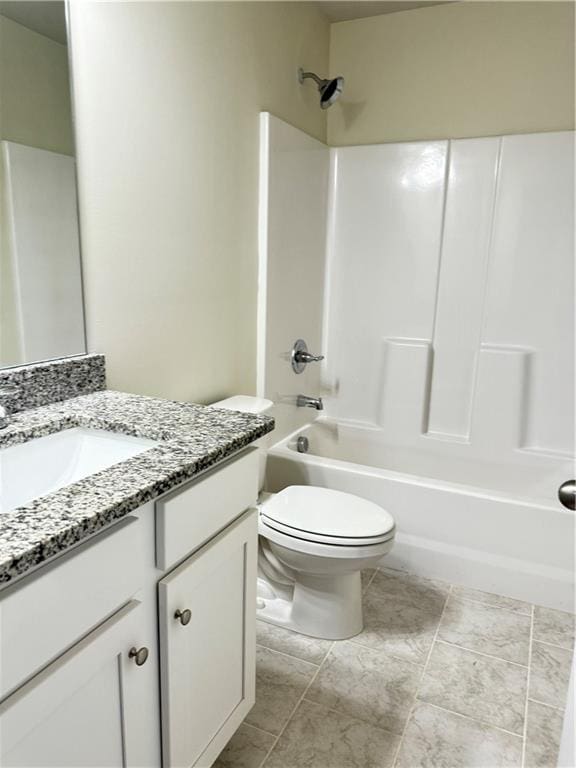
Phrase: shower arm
[310,75]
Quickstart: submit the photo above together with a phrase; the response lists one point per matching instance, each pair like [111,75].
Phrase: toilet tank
[256,405]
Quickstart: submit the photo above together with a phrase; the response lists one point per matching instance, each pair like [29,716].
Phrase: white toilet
[314,543]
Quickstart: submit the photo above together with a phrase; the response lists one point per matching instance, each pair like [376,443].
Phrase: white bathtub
[487,526]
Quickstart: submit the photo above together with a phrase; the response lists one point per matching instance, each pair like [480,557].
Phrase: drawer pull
[140,655]
[183,616]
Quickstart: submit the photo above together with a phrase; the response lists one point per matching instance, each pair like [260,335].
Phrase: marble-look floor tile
[480,627]
[310,649]
[549,674]
[487,689]
[366,684]
[543,733]
[246,749]
[435,738]
[390,583]
[280,682]
[400,628]
[555,627]
[320,738]
[498,601]
[401,614]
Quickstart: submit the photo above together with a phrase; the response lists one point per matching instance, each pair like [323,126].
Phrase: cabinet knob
[140,655]
[183,616]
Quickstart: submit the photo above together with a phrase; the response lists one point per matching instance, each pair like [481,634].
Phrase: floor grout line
[256,728]
[486,655]
[491,605]
[424,668]
[293,712]
[472,719]
[553,645]
[525,728]
[545,704]
[289,655]
[555,610]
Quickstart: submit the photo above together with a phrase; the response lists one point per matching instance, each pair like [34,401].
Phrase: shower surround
[451,282]
[448,333]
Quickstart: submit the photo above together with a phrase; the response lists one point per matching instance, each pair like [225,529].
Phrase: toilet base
[323,606]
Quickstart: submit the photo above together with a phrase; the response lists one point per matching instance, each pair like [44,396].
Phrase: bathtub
[481,525]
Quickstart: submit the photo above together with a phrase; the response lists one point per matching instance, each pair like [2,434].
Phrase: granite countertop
[192,438]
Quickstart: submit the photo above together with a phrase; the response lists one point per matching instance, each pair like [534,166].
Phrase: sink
[38,467]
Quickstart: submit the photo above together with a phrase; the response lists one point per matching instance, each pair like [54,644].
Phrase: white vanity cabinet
[46,612]
[93,706]
[71,695]
[208,645]
[141,635]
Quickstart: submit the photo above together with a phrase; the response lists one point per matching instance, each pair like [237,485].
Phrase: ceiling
[346,10]
[43,16]
[48,16]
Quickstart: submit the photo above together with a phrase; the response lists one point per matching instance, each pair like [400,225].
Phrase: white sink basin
[38,467]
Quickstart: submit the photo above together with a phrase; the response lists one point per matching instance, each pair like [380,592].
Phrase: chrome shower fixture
[300,357]
[330,90]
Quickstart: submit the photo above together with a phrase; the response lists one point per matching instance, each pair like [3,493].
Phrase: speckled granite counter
[192,439]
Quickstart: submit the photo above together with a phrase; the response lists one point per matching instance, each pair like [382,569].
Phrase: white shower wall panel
[466,243]
[385,235]
[450,325]
[294,175]
[530,287]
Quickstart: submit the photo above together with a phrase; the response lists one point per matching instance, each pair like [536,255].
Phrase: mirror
[41,306]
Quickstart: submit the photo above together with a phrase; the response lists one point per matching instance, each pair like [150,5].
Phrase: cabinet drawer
[46,612]
[189,516]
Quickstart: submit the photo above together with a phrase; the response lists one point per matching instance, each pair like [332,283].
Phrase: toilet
[313,545]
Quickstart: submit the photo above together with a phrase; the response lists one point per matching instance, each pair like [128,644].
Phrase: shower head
[330,90]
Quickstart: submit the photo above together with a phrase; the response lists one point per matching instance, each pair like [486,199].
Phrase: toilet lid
[322,514]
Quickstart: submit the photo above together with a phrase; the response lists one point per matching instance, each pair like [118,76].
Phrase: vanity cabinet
[142,635]
[207,646]
[90,707]
[47,612]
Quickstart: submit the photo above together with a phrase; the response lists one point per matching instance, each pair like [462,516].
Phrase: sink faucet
[5,394]
[303,401]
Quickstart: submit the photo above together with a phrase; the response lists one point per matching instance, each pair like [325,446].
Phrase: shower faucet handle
[301,357]
[306,357]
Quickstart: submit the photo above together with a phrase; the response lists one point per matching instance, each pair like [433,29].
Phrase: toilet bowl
[313,545]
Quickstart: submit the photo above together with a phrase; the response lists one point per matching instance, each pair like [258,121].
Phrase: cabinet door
[93,706]
[208,662]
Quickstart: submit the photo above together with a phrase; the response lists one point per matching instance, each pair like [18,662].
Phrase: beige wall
[34,89]
[168,97]
[461,70]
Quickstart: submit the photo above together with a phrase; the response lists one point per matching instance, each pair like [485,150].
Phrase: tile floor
[441,677]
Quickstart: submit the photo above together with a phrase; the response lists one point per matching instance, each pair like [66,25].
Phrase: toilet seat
[324,516]
[321,550]
[330,540]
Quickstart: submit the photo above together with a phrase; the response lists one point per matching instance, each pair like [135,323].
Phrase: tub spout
[303,401]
